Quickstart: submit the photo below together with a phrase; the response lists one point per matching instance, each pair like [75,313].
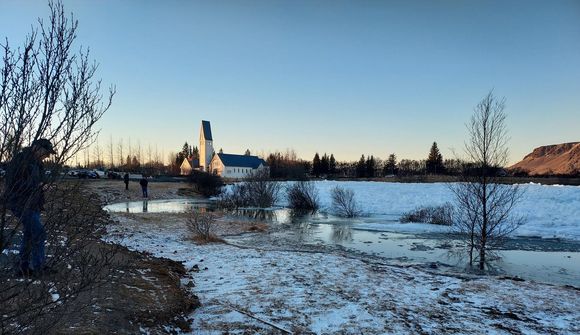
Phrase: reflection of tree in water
[256,214]
[341,233]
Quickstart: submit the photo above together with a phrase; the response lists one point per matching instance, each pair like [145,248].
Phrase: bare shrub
[344,204]
[440,215]
[257,190]
[303,195]
[202,225]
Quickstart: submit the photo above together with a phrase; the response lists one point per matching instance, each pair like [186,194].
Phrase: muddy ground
[144,291]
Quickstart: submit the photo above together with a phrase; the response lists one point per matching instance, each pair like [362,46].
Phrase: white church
[224,165]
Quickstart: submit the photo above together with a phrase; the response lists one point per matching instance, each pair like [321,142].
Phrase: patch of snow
[251,290]
[550,211]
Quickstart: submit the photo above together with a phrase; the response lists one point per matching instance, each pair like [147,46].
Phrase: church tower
[205,146]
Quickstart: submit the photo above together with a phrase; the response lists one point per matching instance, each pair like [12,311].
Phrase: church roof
[241,160]
[206,130]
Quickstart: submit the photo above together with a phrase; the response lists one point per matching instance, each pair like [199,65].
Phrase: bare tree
[484,205]
[111,152]
[120,157]
[47,90]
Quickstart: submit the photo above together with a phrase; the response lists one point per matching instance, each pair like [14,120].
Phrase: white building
[205,146]
[188,165]
[224,165]
[236,166]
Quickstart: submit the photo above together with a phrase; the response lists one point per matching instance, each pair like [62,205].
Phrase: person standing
[25,198]
[143,182]
[126,180]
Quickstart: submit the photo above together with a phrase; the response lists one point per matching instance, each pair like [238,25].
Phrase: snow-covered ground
[550,211]
[249,290]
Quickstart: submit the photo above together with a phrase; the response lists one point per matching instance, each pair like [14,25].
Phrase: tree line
[373,167]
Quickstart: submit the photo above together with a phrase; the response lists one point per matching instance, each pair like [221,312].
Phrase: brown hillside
[561,159]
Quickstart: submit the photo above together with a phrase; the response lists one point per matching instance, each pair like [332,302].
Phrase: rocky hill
[557,159]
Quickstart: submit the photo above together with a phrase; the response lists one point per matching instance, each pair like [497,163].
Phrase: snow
[550,211]
[248,290]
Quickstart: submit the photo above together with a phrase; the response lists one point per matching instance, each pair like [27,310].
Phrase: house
[236,166]
[188,165]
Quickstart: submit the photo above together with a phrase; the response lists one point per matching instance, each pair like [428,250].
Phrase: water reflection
[341,233]
[145,206]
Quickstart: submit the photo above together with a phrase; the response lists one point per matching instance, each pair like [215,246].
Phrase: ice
[550,211]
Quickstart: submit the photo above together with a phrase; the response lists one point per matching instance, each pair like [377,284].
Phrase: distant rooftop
[206,130]
[241,160]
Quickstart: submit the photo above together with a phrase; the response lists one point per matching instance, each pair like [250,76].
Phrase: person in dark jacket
[25,198]
[126,180]
[143,182]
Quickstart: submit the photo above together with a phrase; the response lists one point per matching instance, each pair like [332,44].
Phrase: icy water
[547,260]
[156,206]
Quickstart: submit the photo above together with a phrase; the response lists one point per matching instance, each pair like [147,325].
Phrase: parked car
[114,175]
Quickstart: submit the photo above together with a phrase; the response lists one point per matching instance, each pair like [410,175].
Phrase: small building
[188,165]
[236,166]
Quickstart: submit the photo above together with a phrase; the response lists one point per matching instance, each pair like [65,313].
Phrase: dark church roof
[241,160]
[206,130]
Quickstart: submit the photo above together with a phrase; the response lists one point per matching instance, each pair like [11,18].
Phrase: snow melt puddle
[156,206]
[544,260]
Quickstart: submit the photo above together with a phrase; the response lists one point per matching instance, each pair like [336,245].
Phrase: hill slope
[562,159]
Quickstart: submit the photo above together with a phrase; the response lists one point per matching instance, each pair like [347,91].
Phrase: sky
[341,77]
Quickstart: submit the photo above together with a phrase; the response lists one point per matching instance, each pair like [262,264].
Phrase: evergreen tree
[331,164]
[324,164]
[316,165]
[370,167]
[434,163]
[185,150]
[135,163]
[390,165]
[247,153]
[195,152]
[361,167]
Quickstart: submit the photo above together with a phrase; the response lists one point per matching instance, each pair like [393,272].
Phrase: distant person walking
[25,198]
[143,182]
[126,180]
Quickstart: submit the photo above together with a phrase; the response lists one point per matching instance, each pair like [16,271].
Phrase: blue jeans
[32,255]
[144,189]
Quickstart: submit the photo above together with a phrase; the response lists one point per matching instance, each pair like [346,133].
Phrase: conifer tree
[332,165]
[361,167]
[370,167]
[324,164]
[390,165]
[316,166]
[434,162]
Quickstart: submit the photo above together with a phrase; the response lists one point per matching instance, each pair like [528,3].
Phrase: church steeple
[205,145]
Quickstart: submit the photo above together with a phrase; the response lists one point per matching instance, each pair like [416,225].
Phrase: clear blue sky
[351,78]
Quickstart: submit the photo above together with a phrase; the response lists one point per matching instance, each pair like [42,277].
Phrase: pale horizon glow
[348,78]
